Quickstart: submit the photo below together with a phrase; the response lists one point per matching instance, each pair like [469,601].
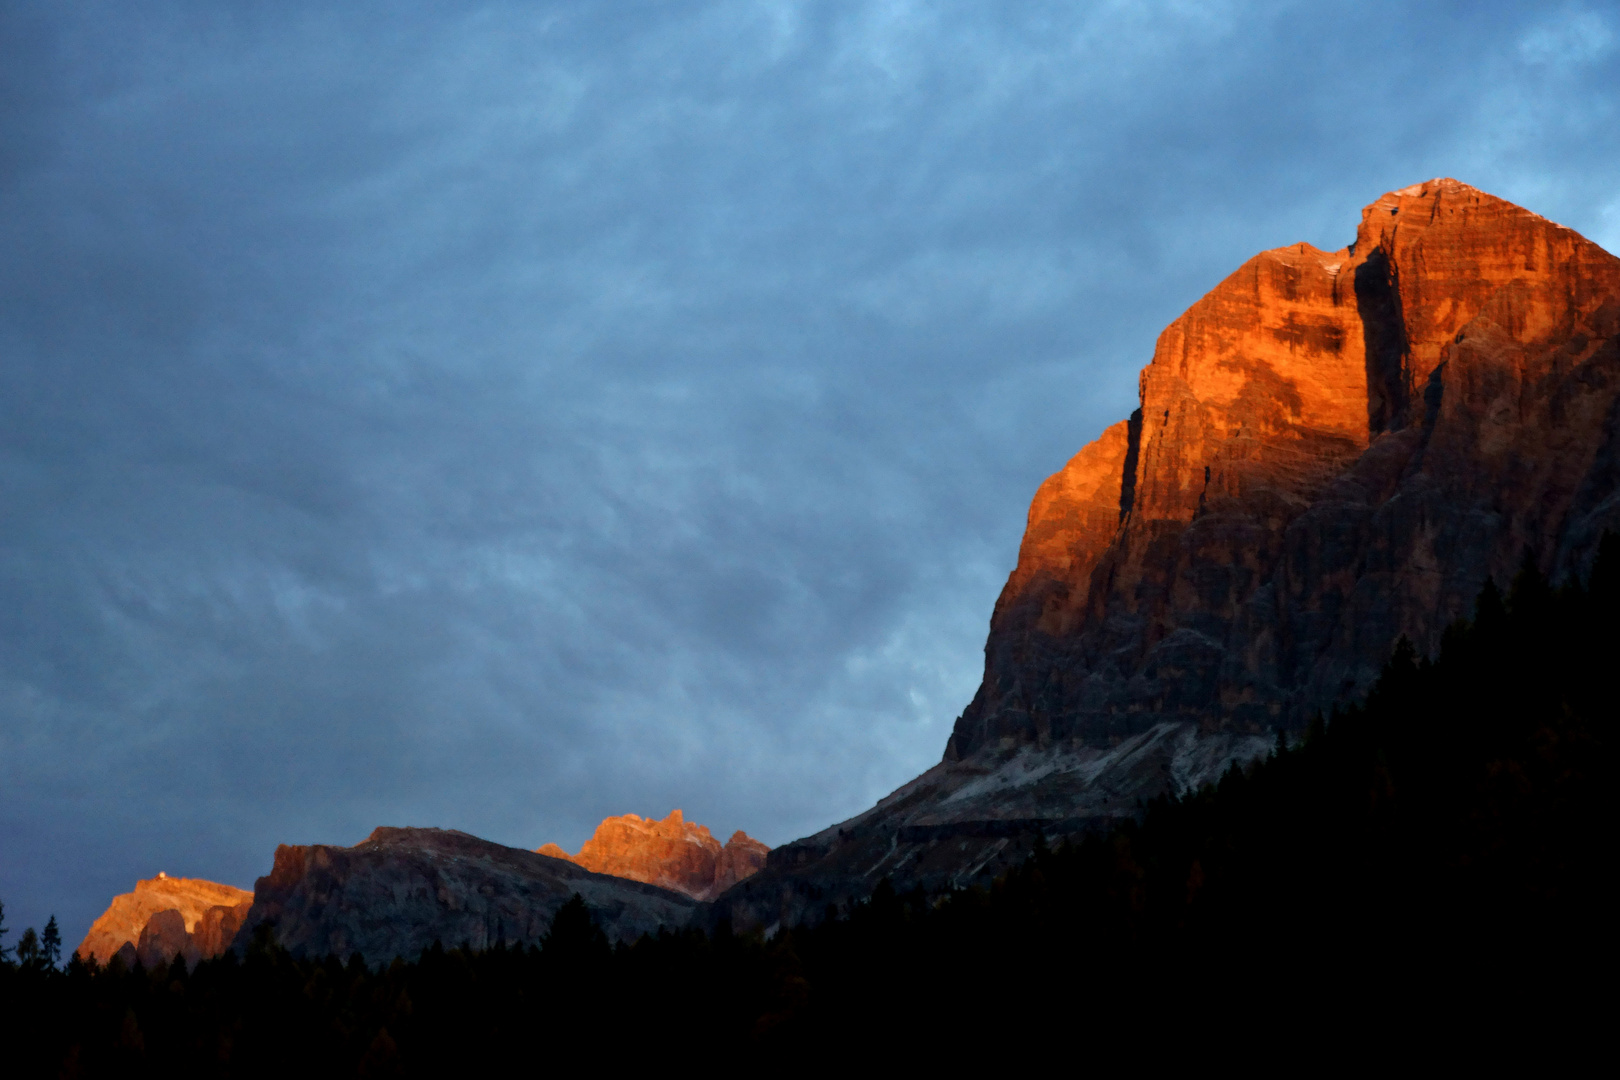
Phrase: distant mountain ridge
[400,890]
[672,854]
[1333,450]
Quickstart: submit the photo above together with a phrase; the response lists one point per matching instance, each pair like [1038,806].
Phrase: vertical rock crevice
[1378,303]
[1133,453]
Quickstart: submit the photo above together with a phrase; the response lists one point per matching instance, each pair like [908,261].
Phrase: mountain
[672,854]
[400,890]
[166,916]
[1333,450]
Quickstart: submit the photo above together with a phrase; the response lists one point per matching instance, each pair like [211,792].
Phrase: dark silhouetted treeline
[1430,863]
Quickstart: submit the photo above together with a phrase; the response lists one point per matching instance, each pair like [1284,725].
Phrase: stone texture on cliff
[166,916]
[672,854]
[401,890]
[740,859]
[1332,450]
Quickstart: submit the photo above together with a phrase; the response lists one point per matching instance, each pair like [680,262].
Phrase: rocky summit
[401,890]
[1333,450]
[672,854]
[165,917]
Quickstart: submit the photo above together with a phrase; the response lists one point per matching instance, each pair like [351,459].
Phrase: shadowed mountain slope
[401,890]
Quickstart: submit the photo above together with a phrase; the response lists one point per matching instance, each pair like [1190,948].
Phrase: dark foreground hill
[1427,867]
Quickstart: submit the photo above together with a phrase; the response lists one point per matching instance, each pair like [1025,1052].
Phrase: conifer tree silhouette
[574,938]
[50,944]
[28,948]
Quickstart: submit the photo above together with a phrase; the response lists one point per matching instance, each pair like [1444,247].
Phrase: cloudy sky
[498,417]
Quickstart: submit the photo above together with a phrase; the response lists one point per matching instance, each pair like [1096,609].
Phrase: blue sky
[502,416]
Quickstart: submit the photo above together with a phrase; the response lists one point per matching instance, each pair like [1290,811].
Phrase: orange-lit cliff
[1332,450]
[166,916]
[673,854]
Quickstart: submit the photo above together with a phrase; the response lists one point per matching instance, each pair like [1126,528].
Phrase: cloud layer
[500,418]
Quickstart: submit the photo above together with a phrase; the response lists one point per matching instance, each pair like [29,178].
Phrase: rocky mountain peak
[672,854]
[165,916]
[1217,558]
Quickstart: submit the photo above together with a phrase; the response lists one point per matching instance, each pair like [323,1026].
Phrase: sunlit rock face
[673,854]
[1332,450]
[741,858]
[165,917]
[400,890]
